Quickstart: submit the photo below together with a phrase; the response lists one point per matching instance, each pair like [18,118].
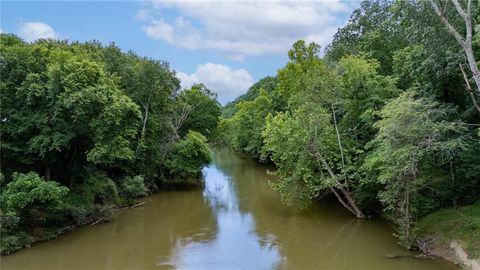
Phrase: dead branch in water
[137,205]
[96,222]
[133,206]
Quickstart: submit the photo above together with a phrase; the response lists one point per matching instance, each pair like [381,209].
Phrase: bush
[189,155]
[27,199]
[96,188]
[77,214]
[10,243]
[134,187]
[8,222]
[30,190]
[95,198]
[103,213]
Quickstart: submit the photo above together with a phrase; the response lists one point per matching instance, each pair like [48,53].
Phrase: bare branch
[445,21]
[465,43]
[460,9]
[469,88]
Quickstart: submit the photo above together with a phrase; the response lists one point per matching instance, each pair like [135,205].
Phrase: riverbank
[26,238]
[235,221]
[75,212]
[453,234]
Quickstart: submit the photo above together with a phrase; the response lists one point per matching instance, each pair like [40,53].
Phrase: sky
[227,45]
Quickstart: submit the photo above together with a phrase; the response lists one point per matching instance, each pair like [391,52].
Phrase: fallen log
[137,205]
[96,222]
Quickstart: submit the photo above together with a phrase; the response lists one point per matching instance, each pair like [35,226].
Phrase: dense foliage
[385,122]
[189,154]
[87,128]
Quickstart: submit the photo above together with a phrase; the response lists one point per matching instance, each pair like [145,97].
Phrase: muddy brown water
[234,222]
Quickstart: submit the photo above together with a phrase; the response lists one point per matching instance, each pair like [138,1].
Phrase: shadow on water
[233,221]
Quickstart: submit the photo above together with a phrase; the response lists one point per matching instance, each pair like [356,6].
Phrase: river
[234,222]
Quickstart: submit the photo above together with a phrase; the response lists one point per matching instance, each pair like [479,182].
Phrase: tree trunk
[465,42]
[339,145]
[178,122]
[473,65]
[469,89]
[352,205]
[144,127]
[407,215]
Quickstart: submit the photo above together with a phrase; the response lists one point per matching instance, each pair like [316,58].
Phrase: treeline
[383,122]
[87,128]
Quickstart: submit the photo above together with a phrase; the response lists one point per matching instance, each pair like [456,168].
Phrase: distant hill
[268,84]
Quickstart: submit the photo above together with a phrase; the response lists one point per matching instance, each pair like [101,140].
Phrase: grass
[459,223]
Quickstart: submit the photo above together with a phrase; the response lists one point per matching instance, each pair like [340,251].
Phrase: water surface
[234,222]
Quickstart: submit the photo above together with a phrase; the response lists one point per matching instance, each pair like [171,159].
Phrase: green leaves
[412,131]
[289,139]
[301,53]
[84,114]
[31,190]
[205,110]
[243,130]
[189,155]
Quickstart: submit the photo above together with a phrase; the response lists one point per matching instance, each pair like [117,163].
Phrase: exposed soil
[449,250]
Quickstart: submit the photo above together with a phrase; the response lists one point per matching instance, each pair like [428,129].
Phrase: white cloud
[31,31]
[237,57]
[238,28]
[186,81]
[226,82]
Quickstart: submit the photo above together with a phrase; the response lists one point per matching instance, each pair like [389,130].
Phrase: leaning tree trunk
[347,200]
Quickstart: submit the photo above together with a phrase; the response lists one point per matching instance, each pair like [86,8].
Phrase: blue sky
[227,45]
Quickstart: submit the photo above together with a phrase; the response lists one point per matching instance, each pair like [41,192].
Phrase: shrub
[89,200]
[30,189]
[77,214]
[96,188]
[103,213]
[134,187]
[8,222]
[189,155]
[12,242]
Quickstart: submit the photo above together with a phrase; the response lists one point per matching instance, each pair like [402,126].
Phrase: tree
[189,155]
[300,144]
[348,95]
[373,30]
[95,119]
[57,105]
[205,110]
[414,140]
[244,129]
[291,78]
[27,201]
[465,42]
[151,84]
[268,84]
[27,191]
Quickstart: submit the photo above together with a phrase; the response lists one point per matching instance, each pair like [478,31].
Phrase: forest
[86,129]
[385,121]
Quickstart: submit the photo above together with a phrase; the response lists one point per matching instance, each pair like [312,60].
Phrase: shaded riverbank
[235,222]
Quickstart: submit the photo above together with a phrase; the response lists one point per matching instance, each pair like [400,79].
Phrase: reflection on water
[235,222]
[235,245]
